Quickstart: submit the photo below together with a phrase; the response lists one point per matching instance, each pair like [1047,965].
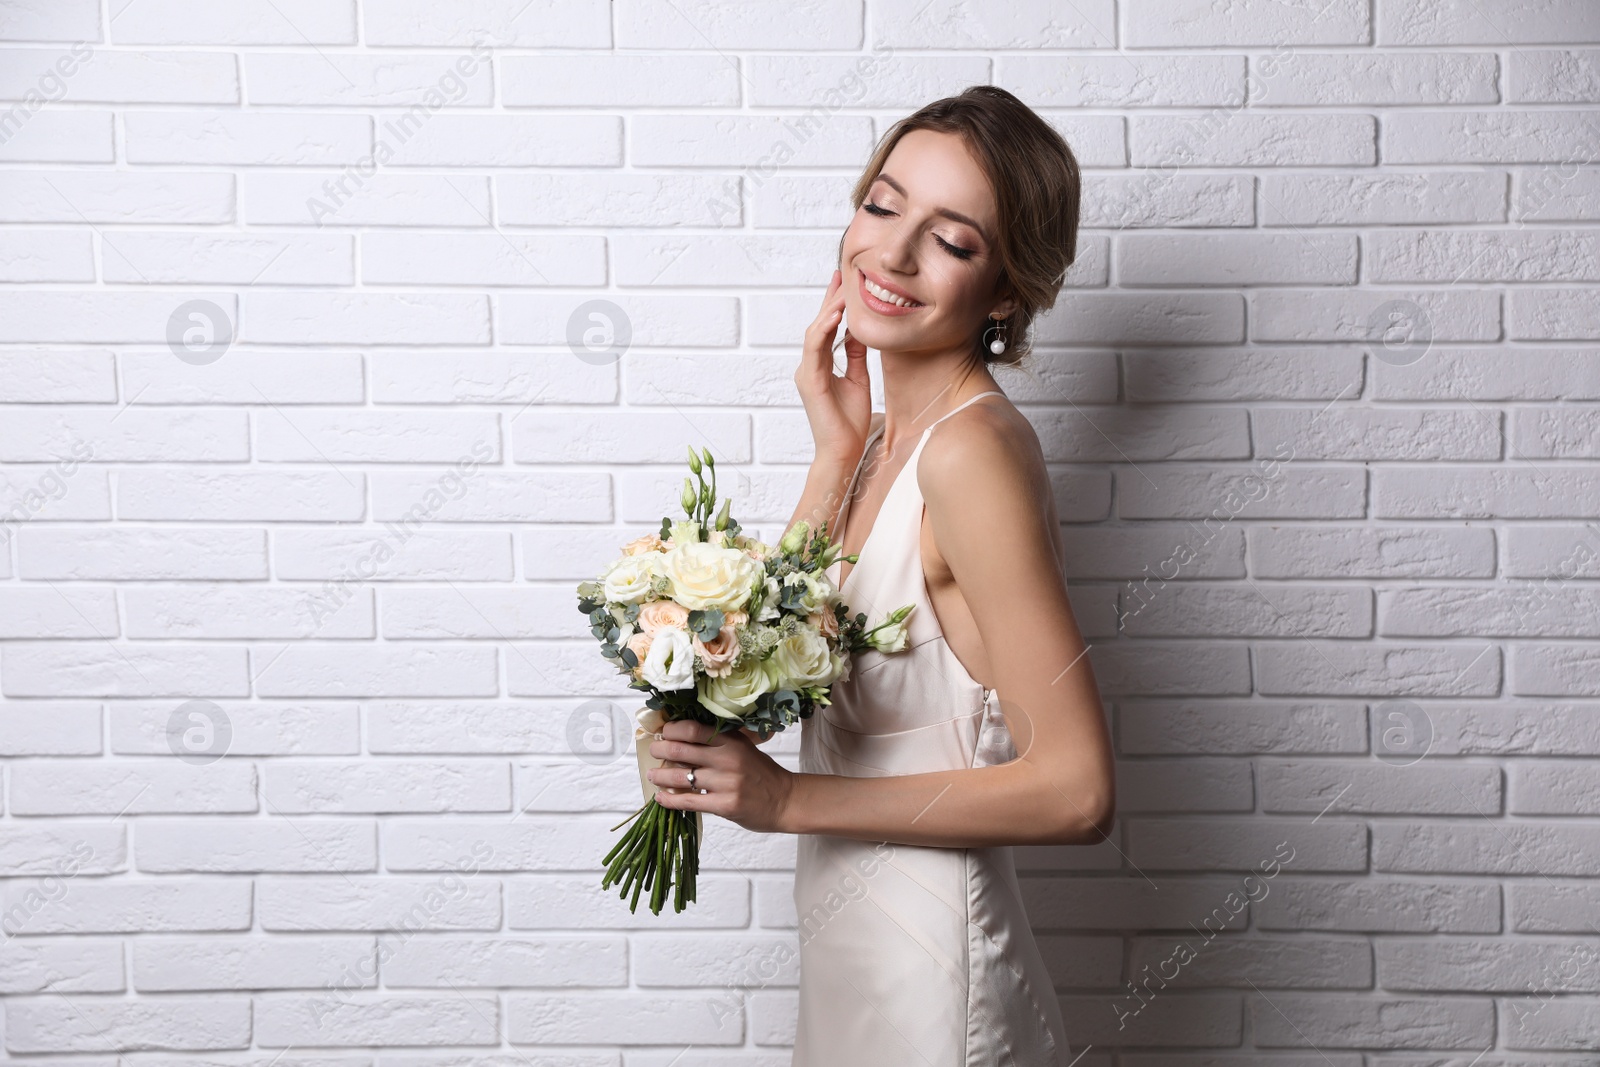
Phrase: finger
[681,730]
[673,776]
[684,752]
[827,320]
[710,803]
[855,363]
[677,778]
[829,298]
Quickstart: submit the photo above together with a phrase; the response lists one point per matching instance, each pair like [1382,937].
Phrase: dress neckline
[894,483]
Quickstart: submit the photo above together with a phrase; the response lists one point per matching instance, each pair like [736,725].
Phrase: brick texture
[310,422]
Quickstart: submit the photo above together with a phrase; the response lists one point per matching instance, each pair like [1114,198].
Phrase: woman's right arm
[823,497]
[839,409]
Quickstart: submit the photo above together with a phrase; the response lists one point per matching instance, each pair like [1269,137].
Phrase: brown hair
[1034,176]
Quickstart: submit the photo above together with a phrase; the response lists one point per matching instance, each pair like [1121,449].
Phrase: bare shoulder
[988,492]
[989,443]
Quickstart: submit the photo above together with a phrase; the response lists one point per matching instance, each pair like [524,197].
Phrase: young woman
[987,730]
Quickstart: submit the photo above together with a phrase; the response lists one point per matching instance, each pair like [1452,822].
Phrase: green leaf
[706,623]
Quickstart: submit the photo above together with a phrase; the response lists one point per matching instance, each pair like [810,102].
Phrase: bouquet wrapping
[724,629]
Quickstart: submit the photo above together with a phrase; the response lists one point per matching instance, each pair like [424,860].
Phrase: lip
[880,306]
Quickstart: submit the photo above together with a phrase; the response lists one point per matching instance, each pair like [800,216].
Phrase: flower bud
[890,635]
[694,460]
[721,522]
[687,497]
[795,537]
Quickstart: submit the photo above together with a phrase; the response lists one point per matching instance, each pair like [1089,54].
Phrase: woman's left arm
[983,495]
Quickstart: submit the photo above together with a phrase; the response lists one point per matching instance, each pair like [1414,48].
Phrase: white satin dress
[913,955]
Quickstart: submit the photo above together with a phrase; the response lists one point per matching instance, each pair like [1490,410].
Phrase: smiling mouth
[883,296]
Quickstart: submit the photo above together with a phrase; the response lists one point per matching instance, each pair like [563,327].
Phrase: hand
[839,409]
[742,783]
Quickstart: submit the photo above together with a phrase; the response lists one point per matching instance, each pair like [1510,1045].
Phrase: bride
[987,731]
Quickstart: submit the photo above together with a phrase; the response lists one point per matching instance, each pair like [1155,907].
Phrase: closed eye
[954,250]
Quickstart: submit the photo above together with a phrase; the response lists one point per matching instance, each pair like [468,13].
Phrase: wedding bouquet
[721,628]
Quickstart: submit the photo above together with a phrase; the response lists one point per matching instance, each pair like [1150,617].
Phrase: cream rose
[733,696]
[818,590]
[802,659]
[631,578]
[767,609]
[704,576]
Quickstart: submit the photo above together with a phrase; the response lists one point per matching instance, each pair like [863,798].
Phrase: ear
[1005,306]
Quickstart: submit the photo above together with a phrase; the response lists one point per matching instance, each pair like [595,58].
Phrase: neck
[918,388]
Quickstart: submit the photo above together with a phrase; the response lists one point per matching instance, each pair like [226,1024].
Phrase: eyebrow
[954,216]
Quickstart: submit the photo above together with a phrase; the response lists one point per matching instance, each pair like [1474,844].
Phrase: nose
[895,253]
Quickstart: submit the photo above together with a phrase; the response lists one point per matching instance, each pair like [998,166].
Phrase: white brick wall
[297,715]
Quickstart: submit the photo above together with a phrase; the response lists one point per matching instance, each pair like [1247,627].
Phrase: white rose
[705,576]
[629,579]
[817,592]
[670,662]
[801,659]
[768,607]
[733,696]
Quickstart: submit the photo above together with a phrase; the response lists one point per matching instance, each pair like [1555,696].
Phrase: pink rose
[650,542]
[639,643]
[719,653]
[826,622]
[658,613]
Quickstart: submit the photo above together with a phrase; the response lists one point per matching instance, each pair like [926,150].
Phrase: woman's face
[924,232]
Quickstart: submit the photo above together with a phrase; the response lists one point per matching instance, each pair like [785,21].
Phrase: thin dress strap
[855,475]
[958,407]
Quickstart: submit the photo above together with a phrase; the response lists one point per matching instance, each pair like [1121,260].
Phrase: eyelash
[954,250]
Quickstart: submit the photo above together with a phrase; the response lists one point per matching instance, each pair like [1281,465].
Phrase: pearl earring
[998,345]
